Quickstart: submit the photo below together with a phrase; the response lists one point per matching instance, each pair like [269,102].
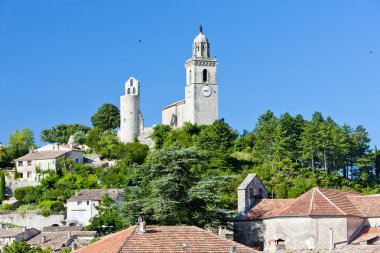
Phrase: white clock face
[206,91]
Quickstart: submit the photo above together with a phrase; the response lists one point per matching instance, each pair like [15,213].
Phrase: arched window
[134,90]
[128,91]
[190,76]
[205,75]
[131,82]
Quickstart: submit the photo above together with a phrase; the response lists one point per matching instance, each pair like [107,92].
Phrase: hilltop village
[190,183]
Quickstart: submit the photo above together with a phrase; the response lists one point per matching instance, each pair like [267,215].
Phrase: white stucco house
[81,206]
[318,219]
[45,158]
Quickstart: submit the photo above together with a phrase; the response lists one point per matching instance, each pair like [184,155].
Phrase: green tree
[2,186]
[61,133]
[106,118]
[79,137]
[108,219]
[170,190]
[23,247]
[20,142]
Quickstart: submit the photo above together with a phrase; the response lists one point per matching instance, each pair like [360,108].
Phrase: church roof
[318,202]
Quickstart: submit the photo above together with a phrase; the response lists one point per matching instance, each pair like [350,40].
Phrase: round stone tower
[131,121]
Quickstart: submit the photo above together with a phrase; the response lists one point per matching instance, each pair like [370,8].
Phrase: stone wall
[249,233]
[31,220]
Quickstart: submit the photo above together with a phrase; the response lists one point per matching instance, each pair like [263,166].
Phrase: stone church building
[200,105]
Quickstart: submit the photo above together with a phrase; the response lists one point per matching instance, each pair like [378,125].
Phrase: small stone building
[81,206]
[8,235]
[249,191]
[318,219]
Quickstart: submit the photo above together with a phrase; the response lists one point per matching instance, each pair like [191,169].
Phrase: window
[190,76]
[76,160]
[131,82]
[79,203]
[88,202]
[29,163]
[205,75]
[128,91]
[19,163]
[28,174]
[20,175]
[134,90]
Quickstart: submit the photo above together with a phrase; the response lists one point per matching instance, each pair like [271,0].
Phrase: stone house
[8,235]
[45,158]
[152,239]
[318,219]
[58,238]
[81,206]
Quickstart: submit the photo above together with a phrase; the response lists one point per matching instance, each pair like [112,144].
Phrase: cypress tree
[2,186]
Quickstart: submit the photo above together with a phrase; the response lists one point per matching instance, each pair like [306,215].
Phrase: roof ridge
[331,201]
[312,200]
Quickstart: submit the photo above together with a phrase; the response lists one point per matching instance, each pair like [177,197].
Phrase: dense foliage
[106,118]
[61,133]
[22,247]
[20,141]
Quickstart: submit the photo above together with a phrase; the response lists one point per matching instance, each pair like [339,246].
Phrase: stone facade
[200,105]
[250,189]
[131,120]
[31,220]
[45,158]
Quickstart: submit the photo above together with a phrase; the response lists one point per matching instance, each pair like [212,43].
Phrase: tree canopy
[61,133]
[106,118]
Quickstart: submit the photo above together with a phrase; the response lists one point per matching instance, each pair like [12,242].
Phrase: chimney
[23,229]
[233,249]
[222,232]
[43,238]
[75,247]
[142,223]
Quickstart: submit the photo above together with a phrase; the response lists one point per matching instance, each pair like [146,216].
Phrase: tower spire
[200,29]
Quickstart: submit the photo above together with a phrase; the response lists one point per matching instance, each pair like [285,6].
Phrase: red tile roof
[368,205]
[368,234]
[267,208]
[165,239]
[109,244]
[318,201]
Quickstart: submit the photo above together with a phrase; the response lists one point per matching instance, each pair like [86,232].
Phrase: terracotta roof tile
[267,208]
[368,234]
[165,239]
[317,201]
[109,244]
[368,205]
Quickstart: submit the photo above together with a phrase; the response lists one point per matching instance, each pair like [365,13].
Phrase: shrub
[45,211]
[51,205]
[7,207]
[28,194]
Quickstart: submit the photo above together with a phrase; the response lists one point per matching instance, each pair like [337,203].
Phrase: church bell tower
[201,91]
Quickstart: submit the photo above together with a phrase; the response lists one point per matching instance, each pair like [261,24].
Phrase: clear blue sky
[61,60]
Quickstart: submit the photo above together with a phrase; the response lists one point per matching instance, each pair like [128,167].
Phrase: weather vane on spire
[200,29]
